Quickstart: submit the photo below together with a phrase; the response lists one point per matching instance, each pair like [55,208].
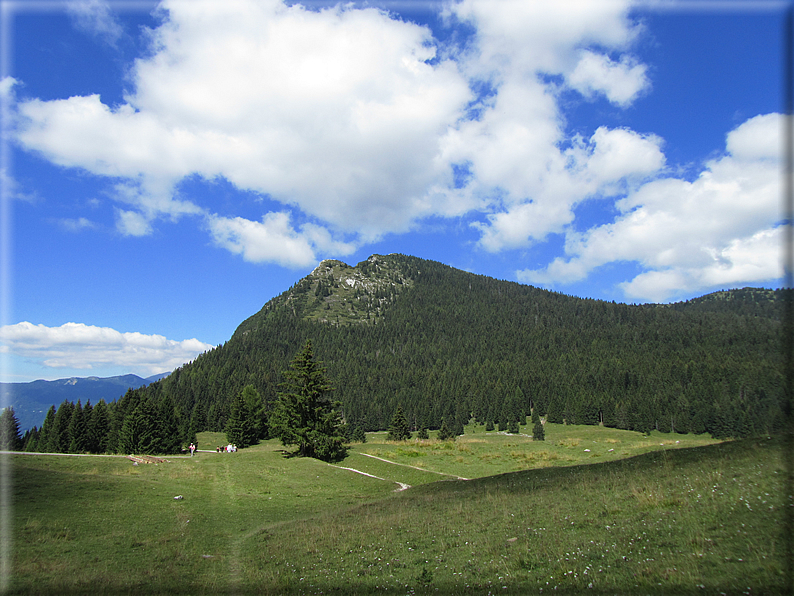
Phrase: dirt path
[414,467]
[403,486]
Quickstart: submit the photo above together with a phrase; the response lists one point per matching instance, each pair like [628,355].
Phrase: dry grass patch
[569,442]
[489,456]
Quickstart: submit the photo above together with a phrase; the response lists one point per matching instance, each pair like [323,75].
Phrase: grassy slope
[666,521]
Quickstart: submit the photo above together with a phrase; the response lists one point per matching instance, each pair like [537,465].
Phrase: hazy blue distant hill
[32,400]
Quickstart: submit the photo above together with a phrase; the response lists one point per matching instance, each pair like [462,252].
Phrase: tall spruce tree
[99,428]
[257,412]
[512,427]
[240,426]
[138,432]
[42,444]
[9,431]
[399,429]
[78,430]
[30,442]
[445,433]
[538,434]
[59,439]
[167,426]
[304,414]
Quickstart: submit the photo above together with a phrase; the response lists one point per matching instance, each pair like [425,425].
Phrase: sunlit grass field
[704,520]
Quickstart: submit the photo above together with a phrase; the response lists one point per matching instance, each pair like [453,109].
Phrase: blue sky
[169,167]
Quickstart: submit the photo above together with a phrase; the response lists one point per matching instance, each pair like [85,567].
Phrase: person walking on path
[192,449]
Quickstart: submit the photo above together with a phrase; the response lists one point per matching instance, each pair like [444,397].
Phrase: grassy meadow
[646,515]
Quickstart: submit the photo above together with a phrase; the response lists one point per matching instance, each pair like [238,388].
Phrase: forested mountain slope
[398,330]
[449,345]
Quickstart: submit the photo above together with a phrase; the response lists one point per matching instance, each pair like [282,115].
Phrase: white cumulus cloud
[721,229]
[357,121]
[621,82]
[610,161]
[95,17]
[80,346]
[350,115]
[274,240]
[338,112]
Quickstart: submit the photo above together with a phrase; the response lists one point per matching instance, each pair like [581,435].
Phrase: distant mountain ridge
[32,400]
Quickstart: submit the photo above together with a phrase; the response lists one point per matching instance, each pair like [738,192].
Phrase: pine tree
[445,432]
[138,433]
[78,430]
[9,431]
[422,434]
[198,422]
[538,434]
[99,428]
[42,445]
[256,412]
[304,415]
[167,426]
[489,425]
[359,436]
[59,439]
[399,429]
[512,427]
[148,437]
[240,428]
[30,441]
[88,416]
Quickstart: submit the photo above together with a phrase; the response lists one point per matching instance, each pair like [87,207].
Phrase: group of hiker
[230,448]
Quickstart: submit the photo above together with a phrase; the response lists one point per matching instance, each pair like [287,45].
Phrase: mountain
[443,343]
[32,400]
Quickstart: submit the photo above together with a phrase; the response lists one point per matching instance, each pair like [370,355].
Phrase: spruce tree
[99,428]
[9,431]
[304,415]
[127,439]
[138,432]
[359,436]
[31,441]
[88,416]
[512,427]
[554,412]
[59,439]
[256,412]
[42,445]
[538,434]
[422,434]
[445,432]
[240,429]
[167,426]
[198,421]
[78,430]
[148,437]
[399,429]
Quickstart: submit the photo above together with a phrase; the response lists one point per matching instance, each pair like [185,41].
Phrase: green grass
[479,453]
[703,521]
